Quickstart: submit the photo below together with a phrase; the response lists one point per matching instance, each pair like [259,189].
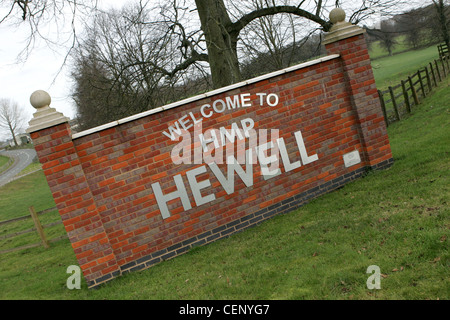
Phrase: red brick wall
[103,182]
[75,202]
[359,76]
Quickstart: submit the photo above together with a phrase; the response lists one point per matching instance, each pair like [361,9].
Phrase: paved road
[22,158]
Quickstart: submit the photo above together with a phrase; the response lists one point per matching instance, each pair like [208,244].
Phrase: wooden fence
[398,100]
[38,227]
[443,50]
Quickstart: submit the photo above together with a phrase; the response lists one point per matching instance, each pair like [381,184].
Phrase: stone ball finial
[40,99]
[337,15]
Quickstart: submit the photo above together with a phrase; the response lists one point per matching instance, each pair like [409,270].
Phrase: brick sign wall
[147,188]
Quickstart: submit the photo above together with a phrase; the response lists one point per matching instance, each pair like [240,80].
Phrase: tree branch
[237,26]
[196,57]
[23,4]
[9,13]
[319,7]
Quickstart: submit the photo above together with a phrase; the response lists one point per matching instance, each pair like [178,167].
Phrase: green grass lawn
[397,219]
[3,163]
[377,51]
[3,160]
[389,71]
[16,197]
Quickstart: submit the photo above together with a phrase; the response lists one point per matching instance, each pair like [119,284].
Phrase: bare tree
[364,9]
[11,118]
[59,16]
[271,39]
[222,33]
[216,41]
[388,35]
[442,11]
[412,24]
[130,62]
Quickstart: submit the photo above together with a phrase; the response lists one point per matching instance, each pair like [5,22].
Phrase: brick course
[102,182]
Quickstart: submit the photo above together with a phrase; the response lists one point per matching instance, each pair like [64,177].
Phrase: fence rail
[443,50]
[396,101]
[38,227]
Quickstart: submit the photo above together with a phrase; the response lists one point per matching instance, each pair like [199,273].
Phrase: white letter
[245,100]
[301,147]
[197,186]
[216,153]
[230,136]
[172,130]
[183,123]
[288,166]
[247,124]
[224,311]
[213,138]
[203,112]
[261,100]
[232,104]
[215,106]
[162,199]
[268,99]
[232,167]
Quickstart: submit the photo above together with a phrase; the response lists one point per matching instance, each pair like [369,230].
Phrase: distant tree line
[420,27]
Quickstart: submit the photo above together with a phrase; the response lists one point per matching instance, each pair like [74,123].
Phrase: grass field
[401,46]
[389,71]
[3,160]
[397,219]
[4,163]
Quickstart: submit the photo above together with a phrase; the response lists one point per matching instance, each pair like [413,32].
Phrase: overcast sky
[41,69]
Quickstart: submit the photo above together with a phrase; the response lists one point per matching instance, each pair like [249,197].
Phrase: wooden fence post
[411,84]
[421,83]
[437,70]
[443,67]
[39,228]
[432,74]
[394,103]
[383,107]
[428,79]
[405,94]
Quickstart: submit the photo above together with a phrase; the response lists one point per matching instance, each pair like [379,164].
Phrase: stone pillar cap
[40,99]
[337,15]
[44,117]
[340,29]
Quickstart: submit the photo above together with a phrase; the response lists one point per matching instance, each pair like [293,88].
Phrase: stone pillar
[52,138]
[348,41]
